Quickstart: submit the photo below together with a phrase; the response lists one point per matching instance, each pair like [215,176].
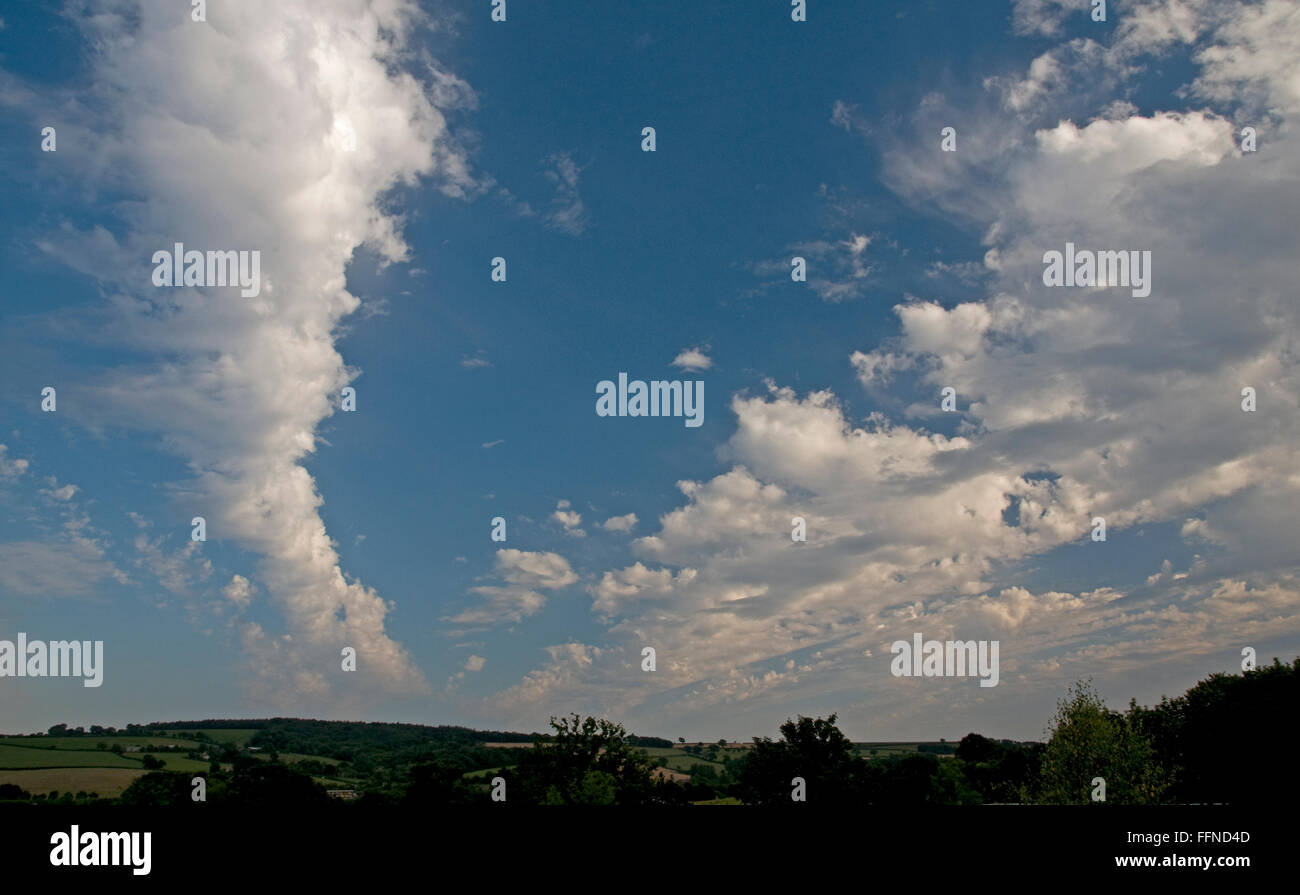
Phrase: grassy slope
[87,743]
[26,757]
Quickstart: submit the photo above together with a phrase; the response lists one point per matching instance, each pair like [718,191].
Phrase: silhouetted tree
[587,761]
[813,749]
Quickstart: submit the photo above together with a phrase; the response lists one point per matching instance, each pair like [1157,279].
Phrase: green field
[291,757]
[484,773]
[88,743]
[337,782]
[107,782]
[180,762]
[679,760]
[24,757]
[891,750]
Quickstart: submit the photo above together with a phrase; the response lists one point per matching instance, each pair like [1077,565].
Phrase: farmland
[107,782]
[76,764]
[897,750]
[381,761]
[181,763]
[89,743]
[18,757]
[680,760]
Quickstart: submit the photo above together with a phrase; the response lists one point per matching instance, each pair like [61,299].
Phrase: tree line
[1213,744]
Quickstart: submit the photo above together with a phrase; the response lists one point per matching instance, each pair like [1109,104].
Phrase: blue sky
[475,399]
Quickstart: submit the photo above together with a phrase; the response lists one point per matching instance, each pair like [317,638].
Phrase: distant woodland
[1213,744]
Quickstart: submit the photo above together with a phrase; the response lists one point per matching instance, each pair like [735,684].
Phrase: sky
[379,154]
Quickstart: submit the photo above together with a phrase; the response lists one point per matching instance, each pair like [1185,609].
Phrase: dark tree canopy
[587,761]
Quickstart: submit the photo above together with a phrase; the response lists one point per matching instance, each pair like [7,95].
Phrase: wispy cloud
[566,211]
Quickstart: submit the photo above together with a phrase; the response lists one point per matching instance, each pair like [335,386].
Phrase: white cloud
[63,493]
[620,523]
[535,569]
[570,519]
[1045,17]
[60,567]
[239,591]
[180,571]
[837,270]
[568,664]
[475,663]
[214,136]
[11,468]
[633,583]
[525,573]
[692,359]
[63,557]
[1081,403]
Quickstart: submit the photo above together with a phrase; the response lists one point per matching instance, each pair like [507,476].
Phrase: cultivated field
[107,782]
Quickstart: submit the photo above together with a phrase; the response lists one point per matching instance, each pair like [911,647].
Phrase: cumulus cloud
[568,518]
[239,591]
[626,522]
[1080,403]
[635,582]
[282,129]
[692,359]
